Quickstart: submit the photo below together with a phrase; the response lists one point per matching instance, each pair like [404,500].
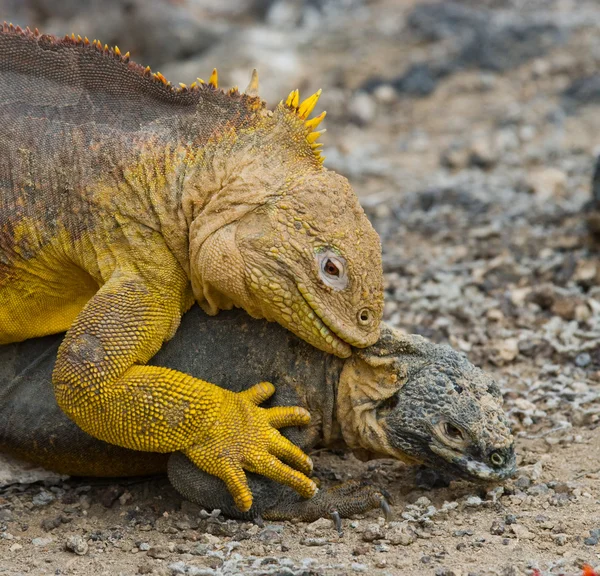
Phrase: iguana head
[292,244]
[422,403]
[312,263]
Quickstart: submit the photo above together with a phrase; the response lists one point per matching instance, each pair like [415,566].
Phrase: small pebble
[561,488]
[195,571]
[362,107]
[361,549]
[269,536]
[498,528]
[6,516]
[473,502]
[373,532]
[160,552]
[41,541]
[423,502]
[583,360]
[49,524]
[77,545]
[145,568]
[177,568]
[43,498]
[522,532]
[522,482]
[538,490]
[560,539]
[314,541]
[400,534]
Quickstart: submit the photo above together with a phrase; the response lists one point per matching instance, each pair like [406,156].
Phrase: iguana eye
[450,435]
[452,432]
[332,269]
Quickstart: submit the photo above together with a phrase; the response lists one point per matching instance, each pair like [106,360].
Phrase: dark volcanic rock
[502,47]
[583,91]
[440,20]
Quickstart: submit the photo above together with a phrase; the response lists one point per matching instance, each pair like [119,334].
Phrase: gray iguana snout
[424,403]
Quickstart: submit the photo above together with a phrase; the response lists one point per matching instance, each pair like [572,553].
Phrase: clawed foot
[371,498]
[383,504]
[246,438]
[337,502]
[273,501]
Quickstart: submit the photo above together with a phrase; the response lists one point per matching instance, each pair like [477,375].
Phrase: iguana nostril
[365,316]
[497,459]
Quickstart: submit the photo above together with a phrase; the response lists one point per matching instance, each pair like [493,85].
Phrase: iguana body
[403,397]
[124,200]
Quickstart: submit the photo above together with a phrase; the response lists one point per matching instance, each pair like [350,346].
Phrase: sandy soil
[469,130]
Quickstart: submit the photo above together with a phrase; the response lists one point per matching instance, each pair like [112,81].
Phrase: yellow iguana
[123,200]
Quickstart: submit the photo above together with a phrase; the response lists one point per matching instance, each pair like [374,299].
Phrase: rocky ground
[470,131]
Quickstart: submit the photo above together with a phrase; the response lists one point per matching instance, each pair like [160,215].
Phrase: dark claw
[259,521]
[337,520]
[386,494]
[387,511]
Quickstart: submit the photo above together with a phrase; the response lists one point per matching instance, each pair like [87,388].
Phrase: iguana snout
[299,259]
[418,402]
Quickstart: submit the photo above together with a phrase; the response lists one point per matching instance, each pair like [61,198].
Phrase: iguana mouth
[472,468]
[326,333]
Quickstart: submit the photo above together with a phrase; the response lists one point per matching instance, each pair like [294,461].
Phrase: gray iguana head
[419,402]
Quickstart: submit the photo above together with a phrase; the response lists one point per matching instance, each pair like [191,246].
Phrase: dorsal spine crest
[301,110]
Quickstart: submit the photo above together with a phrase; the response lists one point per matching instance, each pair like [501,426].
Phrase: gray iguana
[403,397]
[124,200]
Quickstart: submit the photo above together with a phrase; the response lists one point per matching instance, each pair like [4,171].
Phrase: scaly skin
[123,201]
[394,398]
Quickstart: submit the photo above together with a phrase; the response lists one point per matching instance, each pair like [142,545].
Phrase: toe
[259,392]
[237,483]
[282,416]
[272,468]
[290,453]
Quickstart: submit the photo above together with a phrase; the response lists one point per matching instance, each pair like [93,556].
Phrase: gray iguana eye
[451,435]
[332,269]
[452,432]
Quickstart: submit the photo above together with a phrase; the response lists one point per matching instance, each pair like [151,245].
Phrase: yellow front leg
[101,382]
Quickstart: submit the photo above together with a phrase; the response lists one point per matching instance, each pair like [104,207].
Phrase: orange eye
[331,269]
